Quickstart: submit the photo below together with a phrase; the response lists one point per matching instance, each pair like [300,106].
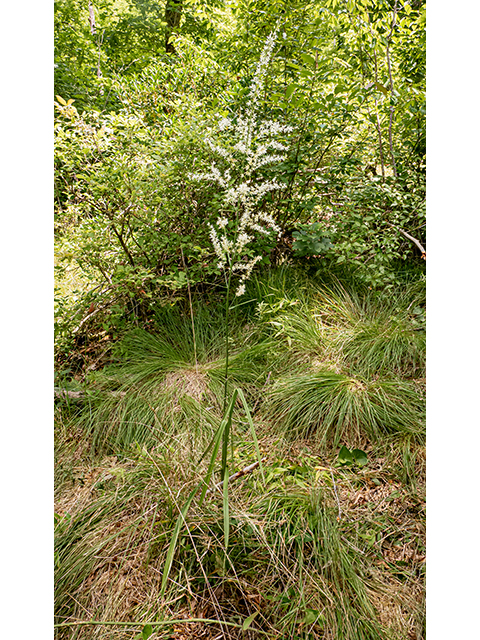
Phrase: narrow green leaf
[216,445]
[342,62]
[173,542]
[381,88]
[226,434]
[226,510]
[254,435]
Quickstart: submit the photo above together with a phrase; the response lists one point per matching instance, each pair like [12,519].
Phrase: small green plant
[147,631]
[352,458]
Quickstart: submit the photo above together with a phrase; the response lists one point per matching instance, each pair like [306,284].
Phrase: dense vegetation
[240,258]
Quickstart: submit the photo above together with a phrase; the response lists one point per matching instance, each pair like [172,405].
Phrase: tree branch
[414,240]
[392,108]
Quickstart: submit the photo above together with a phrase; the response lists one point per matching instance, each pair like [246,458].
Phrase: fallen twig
[238,474]
[71,395]
[65,394]
[157,623]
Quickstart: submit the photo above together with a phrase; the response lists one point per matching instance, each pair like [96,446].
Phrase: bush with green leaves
[367,223]
[127,215]
[130,217]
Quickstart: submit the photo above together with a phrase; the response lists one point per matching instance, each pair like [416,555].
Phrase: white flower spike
[256,142]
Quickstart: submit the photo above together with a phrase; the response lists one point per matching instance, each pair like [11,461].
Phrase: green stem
[226,434]
[227,332]
[160,623]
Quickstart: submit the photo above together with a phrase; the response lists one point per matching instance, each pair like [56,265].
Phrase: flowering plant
[253,145]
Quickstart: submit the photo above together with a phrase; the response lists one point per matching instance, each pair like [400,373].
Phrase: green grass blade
[248,621]
[226,436]
[226,420]
[226,510]
[252,429]
[173,542]
[224,427]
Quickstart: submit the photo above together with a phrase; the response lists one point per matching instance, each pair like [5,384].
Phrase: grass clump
[295,565]
[165,383]
[372,333]
[287,562]
[331,407]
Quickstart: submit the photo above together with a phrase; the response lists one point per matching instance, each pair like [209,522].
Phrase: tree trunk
[173,13]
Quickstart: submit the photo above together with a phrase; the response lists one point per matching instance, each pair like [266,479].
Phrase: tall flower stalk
[244,145]
[253,145]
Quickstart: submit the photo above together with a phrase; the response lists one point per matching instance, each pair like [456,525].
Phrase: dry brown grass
[190,382]
[125,580]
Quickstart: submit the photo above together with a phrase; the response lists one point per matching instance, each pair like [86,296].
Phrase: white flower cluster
[247,268]
[213,176]
[256,143]
[271,128]
[261,72]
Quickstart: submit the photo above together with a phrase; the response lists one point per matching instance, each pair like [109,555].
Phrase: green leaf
[289,90]
[147,631]
[381,88]
[308,59]
[360,457]
[342,62]
[173,542]
[252,431]
[248,621]
[226,510]
[345,456]
[226,436]
[216,445]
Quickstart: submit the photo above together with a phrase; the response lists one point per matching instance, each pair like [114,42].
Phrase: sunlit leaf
[289,90]
[308,59]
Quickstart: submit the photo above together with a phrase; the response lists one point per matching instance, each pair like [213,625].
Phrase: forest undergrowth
[322,532]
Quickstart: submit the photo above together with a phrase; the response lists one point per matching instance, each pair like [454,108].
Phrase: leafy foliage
[347,77]
[308,242]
